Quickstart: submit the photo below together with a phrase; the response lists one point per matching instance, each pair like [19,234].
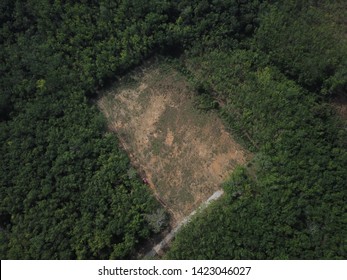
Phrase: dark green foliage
[65,192]
[68,191]
[64,184]
[307,43]
[290,202]
[218,24]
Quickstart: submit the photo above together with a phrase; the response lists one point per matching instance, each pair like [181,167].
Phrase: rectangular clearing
[184,154]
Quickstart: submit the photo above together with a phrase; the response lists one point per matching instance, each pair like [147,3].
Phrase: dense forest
[68,190]
[289,202]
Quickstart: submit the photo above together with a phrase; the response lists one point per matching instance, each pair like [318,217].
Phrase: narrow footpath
[157,249]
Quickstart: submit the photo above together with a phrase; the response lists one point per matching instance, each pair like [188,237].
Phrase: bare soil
[184,154]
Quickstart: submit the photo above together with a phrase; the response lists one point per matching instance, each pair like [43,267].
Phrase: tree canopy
[67,188]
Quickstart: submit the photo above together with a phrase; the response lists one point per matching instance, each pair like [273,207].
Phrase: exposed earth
[182,153]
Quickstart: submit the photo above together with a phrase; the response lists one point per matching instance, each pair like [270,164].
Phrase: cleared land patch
[185,154]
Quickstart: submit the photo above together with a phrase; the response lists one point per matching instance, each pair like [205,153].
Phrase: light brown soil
[185,154]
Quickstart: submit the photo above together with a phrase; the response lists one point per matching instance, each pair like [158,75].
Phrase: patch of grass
[157,146]
[184,196]
[167,118]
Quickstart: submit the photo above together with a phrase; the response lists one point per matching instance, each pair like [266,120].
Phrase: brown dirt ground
[185,154]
